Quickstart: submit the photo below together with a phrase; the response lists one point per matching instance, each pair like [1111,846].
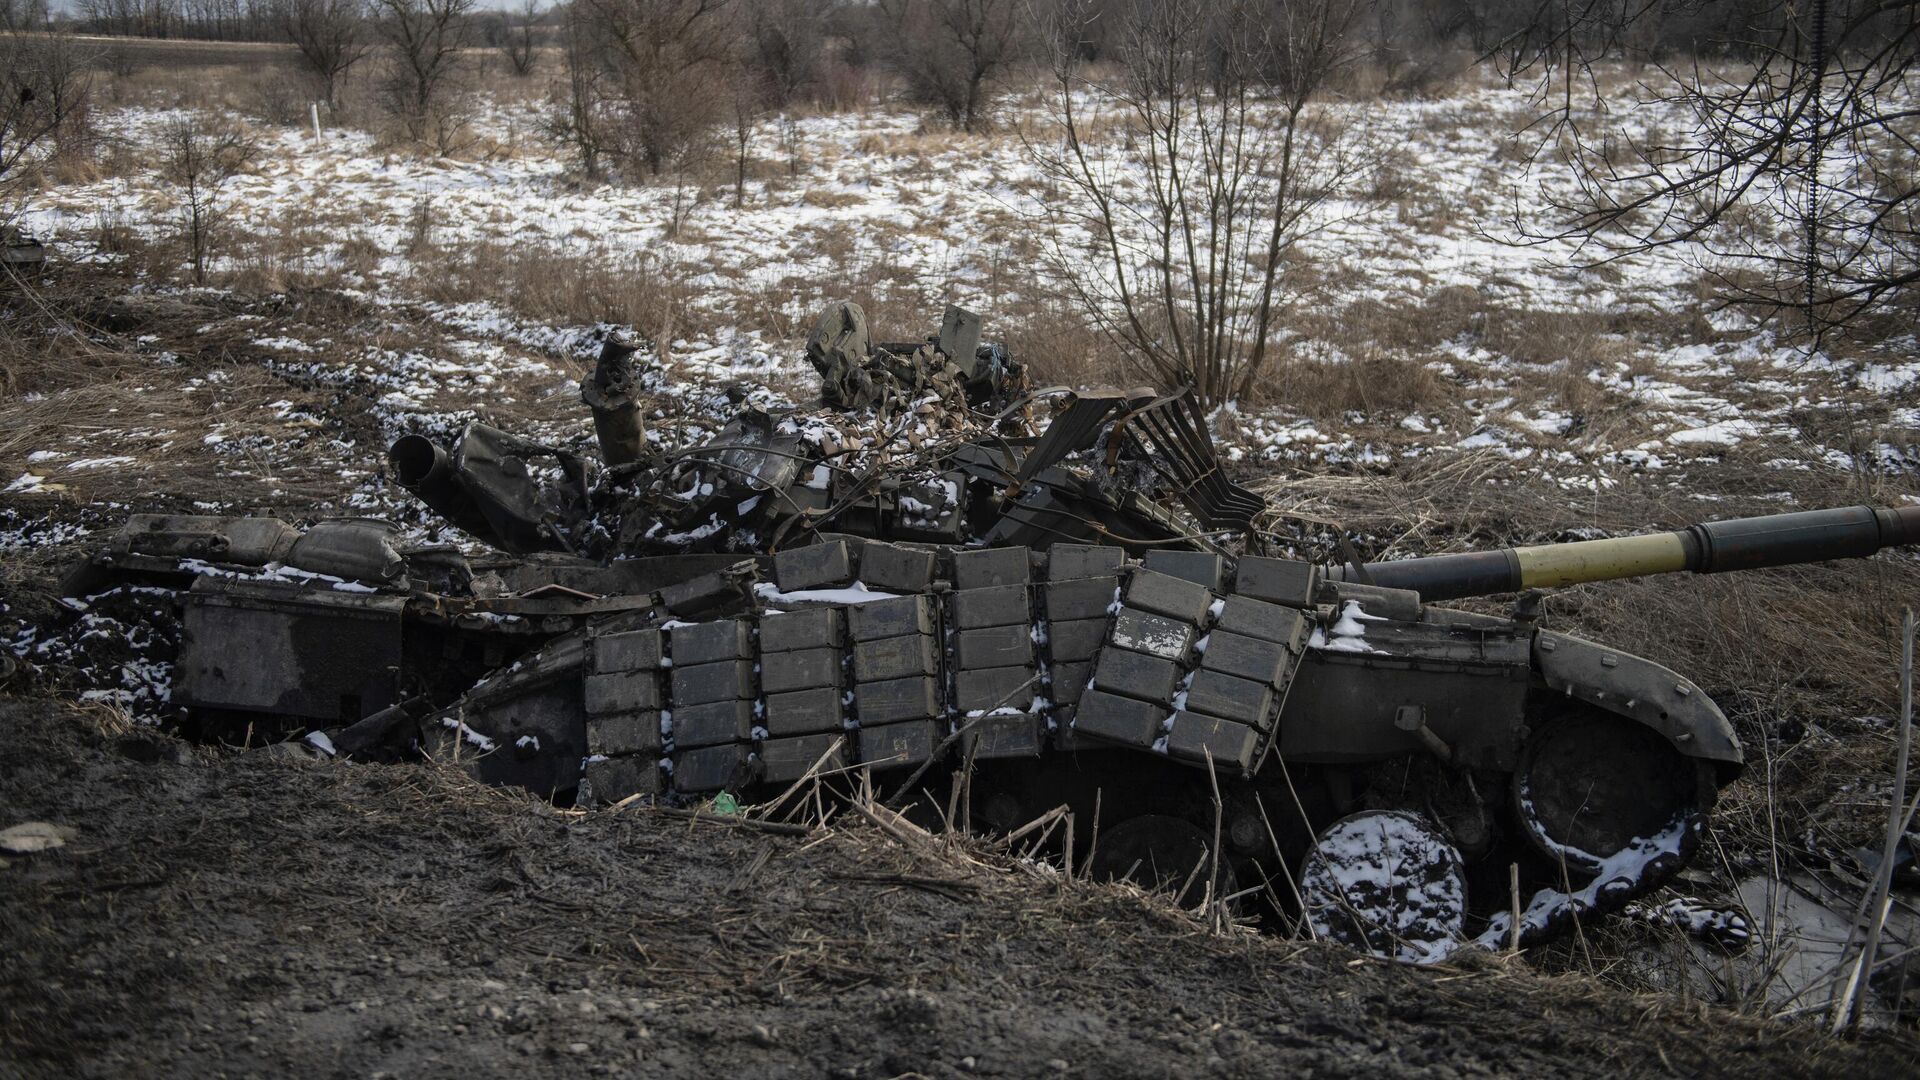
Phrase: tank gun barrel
[1850,532]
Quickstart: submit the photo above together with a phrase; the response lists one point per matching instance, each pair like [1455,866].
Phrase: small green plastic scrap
[725,804]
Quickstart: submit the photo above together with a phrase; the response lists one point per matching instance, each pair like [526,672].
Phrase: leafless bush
[649,81]
[949,51]
[517,44]
[45,108]
[1195,171]
[200,156]
[424,39]
[331,36]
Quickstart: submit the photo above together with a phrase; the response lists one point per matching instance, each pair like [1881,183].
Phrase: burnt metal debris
[920,578]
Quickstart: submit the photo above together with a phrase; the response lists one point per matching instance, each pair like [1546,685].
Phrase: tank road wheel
[1159,851]
[1590,784]
[1387,882]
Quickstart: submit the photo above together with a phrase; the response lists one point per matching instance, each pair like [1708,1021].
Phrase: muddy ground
[236,914]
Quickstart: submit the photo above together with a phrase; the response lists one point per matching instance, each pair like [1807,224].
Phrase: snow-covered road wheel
[1591,783]
[1387,882]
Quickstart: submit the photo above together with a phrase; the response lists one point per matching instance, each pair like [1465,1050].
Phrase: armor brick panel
[987,567]
[897,699]
[1247,657]
[1268,622]
[630,651]
[804,711]
[1015,735]
[1087,598]
[625,691]
[1281,581]
[1079,639]
[1002,605]
[1118,719]
[995,646]
[1173,597]
[711,642]
[1070,681]
[1155,635]
[1200,567]
[726,681]
[1194,737]
[711,724]
[895,658]
[1068,561]
[1137,675]
[783,761]
[709,769]
[814,566]
[806,628]
[802,669]
[892,568]
[995,688]
[907,743]
[891,618]
[1221,695]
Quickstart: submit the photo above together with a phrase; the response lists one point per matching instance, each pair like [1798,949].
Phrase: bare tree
[785,45]
[662,70]
[578,120]
[518,42]
[1796,171]
[948,51]
[200,157]
[425,38]
[331,36]
[45,106]
[1195,172]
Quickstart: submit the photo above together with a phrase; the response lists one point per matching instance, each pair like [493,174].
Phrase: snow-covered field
[1613,371]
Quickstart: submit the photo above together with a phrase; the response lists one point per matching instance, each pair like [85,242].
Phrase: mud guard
[1640,690]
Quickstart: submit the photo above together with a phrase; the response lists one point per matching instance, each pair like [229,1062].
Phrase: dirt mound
[259,914]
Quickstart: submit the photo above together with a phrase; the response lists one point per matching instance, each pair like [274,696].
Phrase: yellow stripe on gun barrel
[1548,565]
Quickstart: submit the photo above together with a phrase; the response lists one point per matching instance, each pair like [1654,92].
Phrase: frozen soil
[248,914]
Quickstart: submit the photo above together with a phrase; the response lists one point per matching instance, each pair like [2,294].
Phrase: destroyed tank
[994,624]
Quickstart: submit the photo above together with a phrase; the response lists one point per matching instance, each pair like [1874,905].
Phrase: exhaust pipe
[424,467]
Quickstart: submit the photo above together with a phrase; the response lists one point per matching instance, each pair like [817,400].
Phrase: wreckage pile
[1059,596]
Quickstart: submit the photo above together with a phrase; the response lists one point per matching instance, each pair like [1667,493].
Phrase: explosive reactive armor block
[609,780]
[806,628]
[630,651]
[783,761]
[1268,622]
[995,688]
[1076,640]
[909,742]
[624,733]
[994,646]
[801,669]
[897,699]
[1001,605]
[1195,738]
[1173,597]
[622,691]
[892,618]
[802,712]
[814,566]
[1281,581]
[1200,567]
[1005,736]
[1118,719]
[711,724]
[1085,598]
[895,658]
[1155,635]
[986,568]
[892,568]
[1070,681]
[1219,694]
[709,769]
[726,681]
[712,642]
[1137,675]
[1068,561]
[1247,657]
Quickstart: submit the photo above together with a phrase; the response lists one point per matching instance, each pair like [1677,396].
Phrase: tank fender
[1639,690]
